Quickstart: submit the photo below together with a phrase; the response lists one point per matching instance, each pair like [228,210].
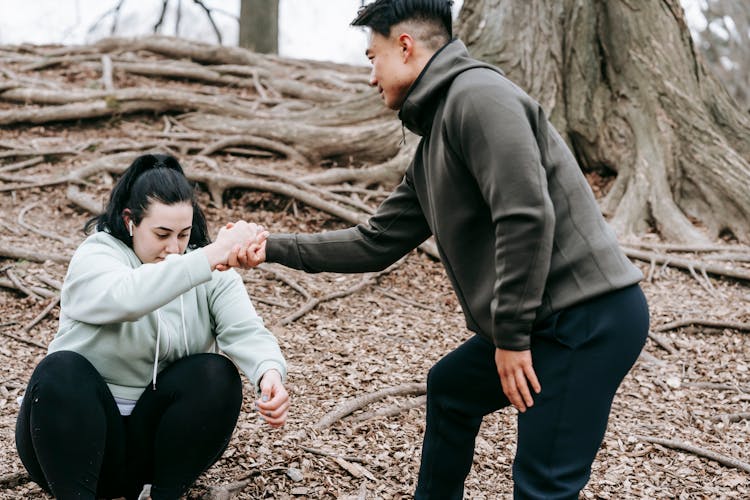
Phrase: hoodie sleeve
[397,227]
[102,287]
[496,131]
[240,333]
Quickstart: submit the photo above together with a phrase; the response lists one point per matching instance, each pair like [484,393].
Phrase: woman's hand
[516,373]
[230,239]
[273,403]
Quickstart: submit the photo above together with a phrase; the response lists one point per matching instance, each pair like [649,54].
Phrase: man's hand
[516,373]
[274,400]
[250,252]
[249,256]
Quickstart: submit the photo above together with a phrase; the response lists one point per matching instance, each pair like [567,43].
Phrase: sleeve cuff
[282,248]
[263,368]
[513,336]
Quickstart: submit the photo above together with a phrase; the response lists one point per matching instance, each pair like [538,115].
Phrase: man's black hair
[150,178]
[381,15]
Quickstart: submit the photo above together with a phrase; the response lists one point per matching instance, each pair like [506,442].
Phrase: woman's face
[164,230]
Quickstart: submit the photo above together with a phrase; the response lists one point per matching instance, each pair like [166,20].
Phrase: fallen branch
[13,252]
[667,247]
[34,229]
[717,387]
[24,341]
[731,418]
[312,303]
[650,358]
[84,201]
[719,325]
[355,470]
[331,454]
[41,315]
[662,342]
[391,410]
[404,300]
[228,490]
[711,455]
[20,285]
[358,402]
[37,289]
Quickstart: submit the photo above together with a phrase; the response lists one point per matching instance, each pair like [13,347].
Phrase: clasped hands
[239,244]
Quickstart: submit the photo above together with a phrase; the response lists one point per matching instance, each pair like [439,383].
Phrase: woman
[132,393]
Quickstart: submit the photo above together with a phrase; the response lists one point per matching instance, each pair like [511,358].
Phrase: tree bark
[259,25]
[621,81]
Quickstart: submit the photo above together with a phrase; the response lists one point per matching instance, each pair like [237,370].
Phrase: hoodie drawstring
[184,330]
[158,339]
[156,356]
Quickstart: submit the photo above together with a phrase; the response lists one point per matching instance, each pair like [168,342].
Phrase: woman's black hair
[150,178]
[381,15]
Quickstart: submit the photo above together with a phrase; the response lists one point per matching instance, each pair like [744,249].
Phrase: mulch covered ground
[380,334]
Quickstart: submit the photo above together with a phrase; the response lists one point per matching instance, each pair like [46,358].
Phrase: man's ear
[406,44]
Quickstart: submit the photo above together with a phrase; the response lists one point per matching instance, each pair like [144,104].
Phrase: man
[555,304]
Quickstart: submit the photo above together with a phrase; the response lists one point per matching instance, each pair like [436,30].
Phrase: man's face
[390,73]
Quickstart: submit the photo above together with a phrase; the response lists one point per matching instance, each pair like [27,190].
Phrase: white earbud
[130,228]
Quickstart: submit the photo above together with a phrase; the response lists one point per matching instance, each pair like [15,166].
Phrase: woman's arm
[106,283]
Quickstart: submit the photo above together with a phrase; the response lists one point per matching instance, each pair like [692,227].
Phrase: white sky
[308,29]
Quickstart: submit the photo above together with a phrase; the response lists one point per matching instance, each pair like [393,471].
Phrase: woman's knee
[61,371]
[211,374]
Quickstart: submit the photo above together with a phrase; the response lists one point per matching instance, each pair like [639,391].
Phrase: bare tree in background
[259,26]
[114,13]
[621,80]
[725,43]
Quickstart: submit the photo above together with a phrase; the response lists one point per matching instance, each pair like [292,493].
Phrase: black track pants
[580,356]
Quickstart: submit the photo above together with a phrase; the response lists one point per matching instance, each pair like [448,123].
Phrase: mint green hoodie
[115,310]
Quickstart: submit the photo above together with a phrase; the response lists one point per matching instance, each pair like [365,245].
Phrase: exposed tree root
[719,325]
[392,410]
[688,264]
[358,402]
[701,452]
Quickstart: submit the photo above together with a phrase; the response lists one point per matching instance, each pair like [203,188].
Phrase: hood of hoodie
[446,64]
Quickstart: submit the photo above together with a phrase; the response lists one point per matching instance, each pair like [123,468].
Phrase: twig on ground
[391,410]
[226,491]
[331,454]
[662,342]
[695,450]
[404,300]
[47,294]
[21,286]
[731,417]
[717,387]
[41,315]
[358,402]
[41,232]
[25,341]
[13,252]
[719,325]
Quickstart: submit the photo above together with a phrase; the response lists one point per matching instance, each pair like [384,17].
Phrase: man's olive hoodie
[516,224]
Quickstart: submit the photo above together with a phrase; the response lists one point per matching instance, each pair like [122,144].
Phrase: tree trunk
[621,81]
[259,26]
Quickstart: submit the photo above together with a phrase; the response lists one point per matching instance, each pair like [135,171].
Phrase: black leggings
[74,443]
